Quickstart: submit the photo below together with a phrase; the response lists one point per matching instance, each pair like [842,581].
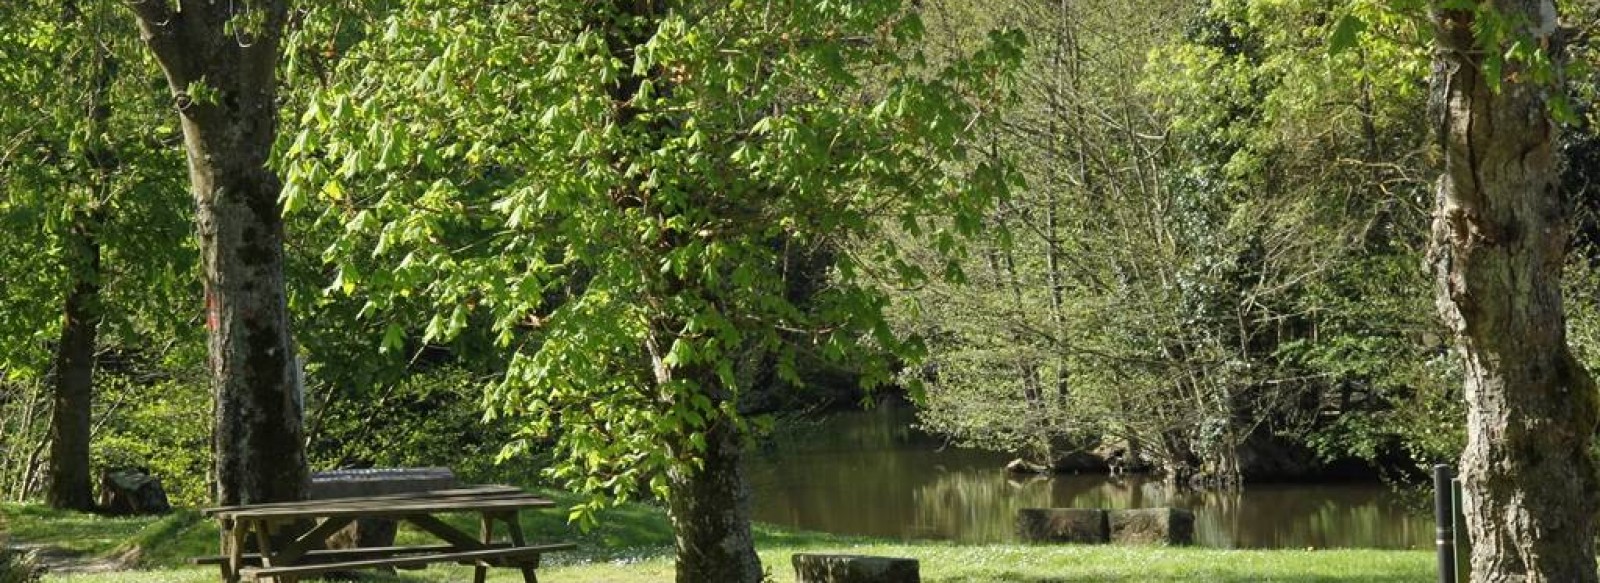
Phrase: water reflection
[869,474]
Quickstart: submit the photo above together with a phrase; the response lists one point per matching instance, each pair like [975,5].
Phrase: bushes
[431,418]
[17,566]
[162,425]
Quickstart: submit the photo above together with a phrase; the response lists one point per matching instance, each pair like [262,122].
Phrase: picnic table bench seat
[524,556]
[254,559]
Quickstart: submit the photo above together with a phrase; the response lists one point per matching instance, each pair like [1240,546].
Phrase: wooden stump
[1173,526]
[1063,525]
[813,568]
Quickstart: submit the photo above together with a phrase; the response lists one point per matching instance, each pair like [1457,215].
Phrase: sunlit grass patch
[634,545]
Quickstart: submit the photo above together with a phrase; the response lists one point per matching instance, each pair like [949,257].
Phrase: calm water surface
[871,474]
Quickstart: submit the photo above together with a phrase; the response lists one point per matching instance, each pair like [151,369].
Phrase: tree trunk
[70,421]
[220,61]
[710,509]
[1499,245]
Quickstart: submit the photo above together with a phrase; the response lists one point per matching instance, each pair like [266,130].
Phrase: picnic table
[303,556]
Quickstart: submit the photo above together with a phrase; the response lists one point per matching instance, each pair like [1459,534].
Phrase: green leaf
[394,338]
[1345,34]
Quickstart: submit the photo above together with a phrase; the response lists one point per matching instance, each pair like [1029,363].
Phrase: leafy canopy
[618,197]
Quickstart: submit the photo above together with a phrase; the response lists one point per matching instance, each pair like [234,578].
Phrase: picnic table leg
[480,572]
[264,541]
[514,528]
[233,532]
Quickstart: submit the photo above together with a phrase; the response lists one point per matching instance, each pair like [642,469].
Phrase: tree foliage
[619,195]
[87,178]
[1216,246]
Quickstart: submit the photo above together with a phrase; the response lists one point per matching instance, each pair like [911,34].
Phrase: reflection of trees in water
[868,474]
[1300,516]
[976,506]
[973,506]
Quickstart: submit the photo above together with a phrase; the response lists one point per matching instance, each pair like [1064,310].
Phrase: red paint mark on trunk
[213,318]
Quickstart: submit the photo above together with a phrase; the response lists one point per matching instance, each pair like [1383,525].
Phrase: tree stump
[131,491]
[1063,525]
[1173,526]
[814,568]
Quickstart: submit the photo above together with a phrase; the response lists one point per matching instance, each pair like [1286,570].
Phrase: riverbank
[633,545]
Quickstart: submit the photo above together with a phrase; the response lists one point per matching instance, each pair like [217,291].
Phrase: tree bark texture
[70,423]
[710,510]
[223,80]
[1499,245]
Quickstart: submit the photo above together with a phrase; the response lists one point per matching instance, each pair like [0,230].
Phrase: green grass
[76,533]
[633,545]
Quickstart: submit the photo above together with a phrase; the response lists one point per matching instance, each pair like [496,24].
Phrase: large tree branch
[158,27]
[155,12]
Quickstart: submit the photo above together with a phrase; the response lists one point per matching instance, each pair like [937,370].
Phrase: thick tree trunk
[710,509]
[223,78]
[70,421]
[1499,244]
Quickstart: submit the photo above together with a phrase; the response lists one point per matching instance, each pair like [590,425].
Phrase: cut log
[1172,526]
[814,568]
[1062,525]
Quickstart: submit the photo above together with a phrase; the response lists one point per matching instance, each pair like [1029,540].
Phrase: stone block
[1172,526]
[375,532]
[814,568]
[1062,525]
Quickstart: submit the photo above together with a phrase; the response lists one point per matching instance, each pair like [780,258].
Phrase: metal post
[1463,544]
[1444,517]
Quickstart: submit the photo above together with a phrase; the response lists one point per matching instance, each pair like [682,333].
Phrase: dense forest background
[1212,259]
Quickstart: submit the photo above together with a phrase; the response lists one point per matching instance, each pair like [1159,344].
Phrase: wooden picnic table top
[479,499]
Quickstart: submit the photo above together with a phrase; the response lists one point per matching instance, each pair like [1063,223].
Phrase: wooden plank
[340,554]
[315,537]
[395,509]
[222,510]
[514,530]
[343,505]
[264,542]
[237,532]
[480,572]
[431,494]
[456,557]
[489,492]
[445,532]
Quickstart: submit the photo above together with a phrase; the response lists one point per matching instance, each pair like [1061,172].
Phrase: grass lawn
[634,546]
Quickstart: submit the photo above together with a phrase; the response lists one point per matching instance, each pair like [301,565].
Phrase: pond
[870,473]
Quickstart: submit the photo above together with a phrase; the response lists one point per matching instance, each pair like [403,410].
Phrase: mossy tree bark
[1499,245]
[710,510]
[70,421]
[220,60]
